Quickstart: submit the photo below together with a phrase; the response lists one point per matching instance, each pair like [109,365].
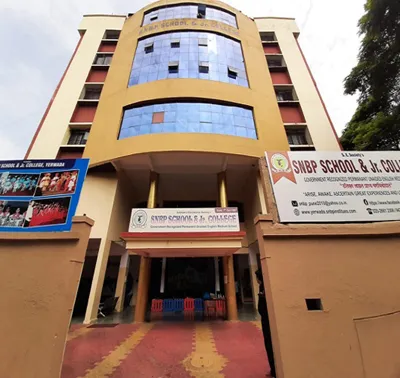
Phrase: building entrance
[176,279]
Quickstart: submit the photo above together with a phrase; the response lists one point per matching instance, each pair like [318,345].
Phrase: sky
[38,38]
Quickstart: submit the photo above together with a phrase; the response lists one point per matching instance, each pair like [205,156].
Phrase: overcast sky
[38,38]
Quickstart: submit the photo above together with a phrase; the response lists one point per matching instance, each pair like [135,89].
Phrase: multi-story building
[186,95]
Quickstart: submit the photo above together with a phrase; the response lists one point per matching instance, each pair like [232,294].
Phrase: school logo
[139,219]
[279,166]
[280,163]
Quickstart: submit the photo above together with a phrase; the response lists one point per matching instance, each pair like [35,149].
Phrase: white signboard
[185,220]
[336,186]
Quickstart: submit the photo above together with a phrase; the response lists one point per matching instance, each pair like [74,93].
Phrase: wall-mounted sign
[217,219]
[188,23]
[336,186]
[40,195]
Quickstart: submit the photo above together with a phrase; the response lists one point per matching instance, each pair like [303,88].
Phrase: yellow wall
[116,95]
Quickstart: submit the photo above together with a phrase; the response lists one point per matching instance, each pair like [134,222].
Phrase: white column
[217,283]
[164,265]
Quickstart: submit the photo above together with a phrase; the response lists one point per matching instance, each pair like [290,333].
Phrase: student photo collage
[38,211]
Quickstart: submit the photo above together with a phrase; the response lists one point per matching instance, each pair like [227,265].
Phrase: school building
[174,106]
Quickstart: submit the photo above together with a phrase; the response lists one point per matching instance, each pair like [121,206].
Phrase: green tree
[376,78]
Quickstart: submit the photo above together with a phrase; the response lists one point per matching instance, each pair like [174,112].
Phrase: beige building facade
[175,106]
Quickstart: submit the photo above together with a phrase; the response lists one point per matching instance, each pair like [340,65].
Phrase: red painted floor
[160,349]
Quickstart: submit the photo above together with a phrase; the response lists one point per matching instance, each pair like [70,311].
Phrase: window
[92,93]
[274,61]
[203,42]
[112,34]
[188,117]
[232,73]
[78,137]
[149,48]
[284,95]
[297,137]
[175,43]
[189,49]
[103,59]
[173,67]
[268,37]
[203,67]
[158,117]
[153,17]
[201,12]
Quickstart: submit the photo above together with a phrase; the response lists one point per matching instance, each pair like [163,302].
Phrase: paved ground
[161,350]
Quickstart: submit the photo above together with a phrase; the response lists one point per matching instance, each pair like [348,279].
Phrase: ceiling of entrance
[185,162]
[188,175]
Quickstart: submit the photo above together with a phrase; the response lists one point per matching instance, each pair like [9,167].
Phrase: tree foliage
[376,78]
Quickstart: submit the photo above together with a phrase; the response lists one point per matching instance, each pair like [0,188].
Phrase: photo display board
[40,195]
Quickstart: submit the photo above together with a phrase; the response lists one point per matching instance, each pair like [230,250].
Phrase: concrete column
[253,268]
[216,267]
[164,267]
[229,275]
[121,281]
[98,281]
[145,262]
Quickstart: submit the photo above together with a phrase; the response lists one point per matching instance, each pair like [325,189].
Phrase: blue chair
[178,305]
[198,305]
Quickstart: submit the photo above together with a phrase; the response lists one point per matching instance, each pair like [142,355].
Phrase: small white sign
[217,219]
[336,186]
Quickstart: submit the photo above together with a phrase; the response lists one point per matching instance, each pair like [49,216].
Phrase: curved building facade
[175,106]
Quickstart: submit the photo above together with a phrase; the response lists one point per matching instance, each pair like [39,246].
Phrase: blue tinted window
[188,11]
[194,49]
[189,117]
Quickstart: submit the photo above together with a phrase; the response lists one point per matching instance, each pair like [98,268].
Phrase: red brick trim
[180,235]
[52,100]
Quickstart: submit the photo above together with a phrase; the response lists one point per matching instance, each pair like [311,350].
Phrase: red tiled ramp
[160,353]
[83,352]
[242,344]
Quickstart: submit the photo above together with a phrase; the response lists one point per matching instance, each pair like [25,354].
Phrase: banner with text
[40,195]
[336,186]
[219,219]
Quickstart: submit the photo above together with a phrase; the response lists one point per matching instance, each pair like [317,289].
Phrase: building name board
[188,23]
[217,219]
[40,195]
[336,186]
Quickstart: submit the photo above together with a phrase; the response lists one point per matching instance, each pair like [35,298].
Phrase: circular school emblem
[139,219]
[280,163]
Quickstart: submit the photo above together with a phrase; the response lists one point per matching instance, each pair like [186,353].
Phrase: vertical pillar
[145,262]
[253,268]
[217,283]
[163,268]
[121,281]
[229,275]
[97,282]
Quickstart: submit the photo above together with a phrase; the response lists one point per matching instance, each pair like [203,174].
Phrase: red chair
[210,309]
[221,308]
[156,309]
[188,304]
[188,308]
